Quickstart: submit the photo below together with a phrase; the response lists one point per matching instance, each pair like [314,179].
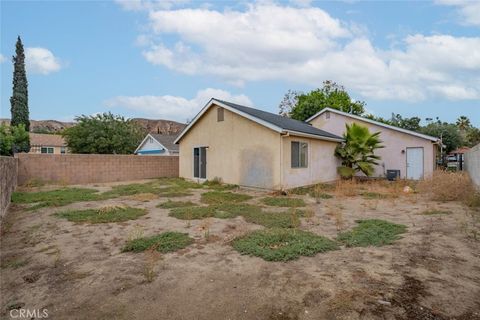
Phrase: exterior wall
[93,168]
[8,182]
[472,164]
[240,151]
[38,149]
[394,141]
[322,164]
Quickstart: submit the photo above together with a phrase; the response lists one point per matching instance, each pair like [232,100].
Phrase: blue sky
[166,59]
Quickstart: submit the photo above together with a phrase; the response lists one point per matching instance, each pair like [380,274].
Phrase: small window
[299,154]
[47,150]
[63,150]
[150,140]
[327,115]
[219,114]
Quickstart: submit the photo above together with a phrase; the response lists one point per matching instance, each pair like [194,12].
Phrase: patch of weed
[164,242]
[282,244]
[373,195]
[218,197]
[175,204]
[283,202]
[372,232]
[54,198]
[434,212]
[217,184]
[103,215]
[289,219]
[13,263]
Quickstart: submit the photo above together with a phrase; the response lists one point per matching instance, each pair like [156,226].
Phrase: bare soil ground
[77,271]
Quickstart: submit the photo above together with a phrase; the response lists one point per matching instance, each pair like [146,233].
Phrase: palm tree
[358,151]
[463,123]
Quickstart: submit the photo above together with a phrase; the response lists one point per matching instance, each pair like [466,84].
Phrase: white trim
[264,123]
[413,133]
[145,139]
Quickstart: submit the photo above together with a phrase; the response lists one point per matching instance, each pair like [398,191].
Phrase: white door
[414,163]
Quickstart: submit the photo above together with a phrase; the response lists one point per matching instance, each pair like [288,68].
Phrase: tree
[19,99]
[358,151]
[463,123]
[103,133]
[330,95]
[448,132]
[289,101]
[473,137]
[397,120]
[13,139]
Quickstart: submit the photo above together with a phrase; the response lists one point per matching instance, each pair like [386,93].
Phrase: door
[200,162]
[414,163]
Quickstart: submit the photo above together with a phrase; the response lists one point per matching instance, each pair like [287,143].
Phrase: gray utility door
[200,162]
[414,163]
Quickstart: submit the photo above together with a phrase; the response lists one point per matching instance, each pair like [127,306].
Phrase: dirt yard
[78,270]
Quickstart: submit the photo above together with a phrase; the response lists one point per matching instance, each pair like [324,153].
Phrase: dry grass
[447,186]
[152,256]
[143,197]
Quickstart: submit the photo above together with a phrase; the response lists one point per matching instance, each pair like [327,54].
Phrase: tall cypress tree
[19,99]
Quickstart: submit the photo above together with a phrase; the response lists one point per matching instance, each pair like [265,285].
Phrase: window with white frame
[47,150]
[299,154]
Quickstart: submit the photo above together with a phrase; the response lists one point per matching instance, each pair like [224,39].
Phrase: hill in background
[150,125]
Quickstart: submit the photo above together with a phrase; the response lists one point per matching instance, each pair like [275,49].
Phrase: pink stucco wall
[395,142]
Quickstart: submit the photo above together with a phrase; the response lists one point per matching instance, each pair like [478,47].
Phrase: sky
[166,59]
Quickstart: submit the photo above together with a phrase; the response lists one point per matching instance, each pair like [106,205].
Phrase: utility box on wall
[393,175]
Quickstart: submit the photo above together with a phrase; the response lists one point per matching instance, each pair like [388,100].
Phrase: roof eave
[413,133]
[314,136]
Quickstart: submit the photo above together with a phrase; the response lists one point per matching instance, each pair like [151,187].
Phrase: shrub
[164,242]
[282,244]
[372,232]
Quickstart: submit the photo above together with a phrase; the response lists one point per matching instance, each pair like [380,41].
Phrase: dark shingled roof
[285,123]
[166,140]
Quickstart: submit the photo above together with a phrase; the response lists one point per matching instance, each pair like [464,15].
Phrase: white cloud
[306,45]
[468,10]
[41,60]
[174,107]
[2,58]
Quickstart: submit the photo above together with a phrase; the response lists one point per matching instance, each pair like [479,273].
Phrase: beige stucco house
[250,147]
[410,152]
[47,143]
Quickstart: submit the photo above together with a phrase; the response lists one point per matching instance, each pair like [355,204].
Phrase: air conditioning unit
[393,175]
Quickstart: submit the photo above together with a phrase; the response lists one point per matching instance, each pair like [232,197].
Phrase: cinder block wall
[8,182]
[472,164]
[93,168]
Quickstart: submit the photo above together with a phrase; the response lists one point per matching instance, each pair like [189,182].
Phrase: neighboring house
[410,152]
[47,143]
[250,147]
[158,145]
